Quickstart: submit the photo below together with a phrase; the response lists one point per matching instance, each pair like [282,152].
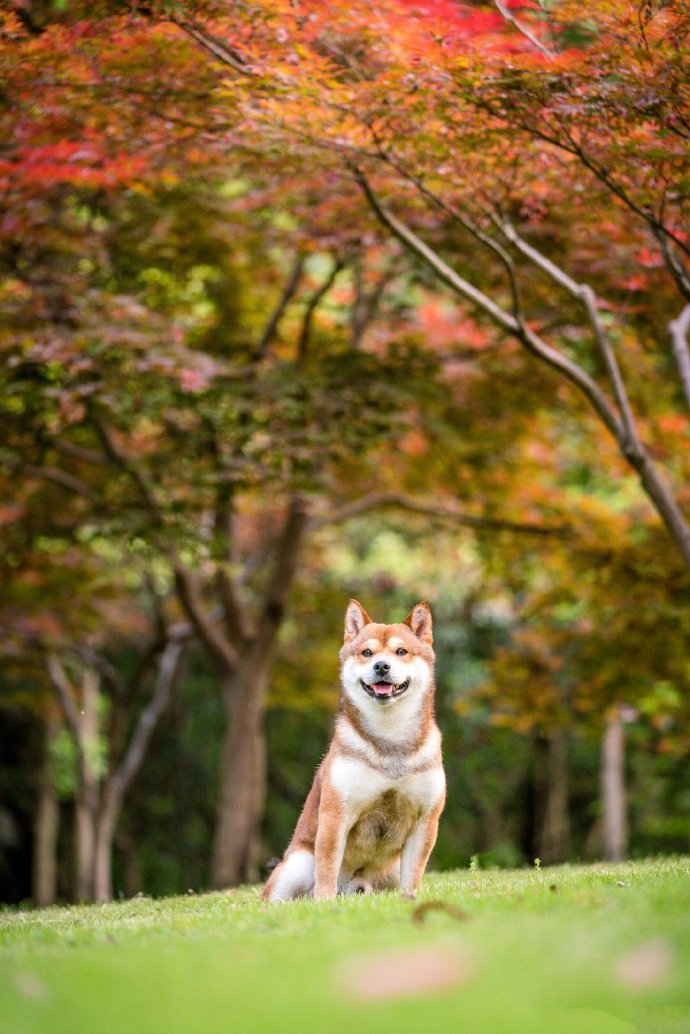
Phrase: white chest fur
[359,785]
[395,763]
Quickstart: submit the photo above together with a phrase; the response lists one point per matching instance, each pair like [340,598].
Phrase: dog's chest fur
[381,830]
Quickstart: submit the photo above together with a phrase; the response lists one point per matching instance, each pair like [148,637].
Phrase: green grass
[599,950]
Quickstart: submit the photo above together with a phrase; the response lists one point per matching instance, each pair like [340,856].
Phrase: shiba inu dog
[371,817]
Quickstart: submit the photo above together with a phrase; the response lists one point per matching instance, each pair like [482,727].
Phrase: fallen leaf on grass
[403,973]
[420,913]
[31,986]
[646,966]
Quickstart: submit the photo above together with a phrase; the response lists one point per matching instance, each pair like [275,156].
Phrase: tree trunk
[87,798]
[97,809]
[553,832]
[242,789]
[84,843]
[613,789]
[103,853]
[46,825]
[121,778]
[244,662]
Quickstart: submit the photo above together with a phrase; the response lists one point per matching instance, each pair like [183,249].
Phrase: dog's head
[384,663]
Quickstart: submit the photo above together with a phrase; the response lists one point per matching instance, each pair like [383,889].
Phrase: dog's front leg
[416,851]
[330,844]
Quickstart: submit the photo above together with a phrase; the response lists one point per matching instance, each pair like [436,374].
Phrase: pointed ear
[356,618]
[419,620]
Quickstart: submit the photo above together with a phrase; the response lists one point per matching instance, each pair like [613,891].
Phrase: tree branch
[631,446]
[63,688]
[285,298]
[678,270]
[93,659]
[458,217]
[660,229]
[284,567]
[571,146]
[236,622]
[585,294]
[233,612]
[59,477]
[79,452]
[653,484]
[366,304]
[678,329]
[220,50]
[118,456]
[218,645]
[507,321]
[119,716]
[312,306]
[444,511]
[484,239]
[522,29]
[178,636]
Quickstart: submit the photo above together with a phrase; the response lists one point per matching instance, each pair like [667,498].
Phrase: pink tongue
[383,688]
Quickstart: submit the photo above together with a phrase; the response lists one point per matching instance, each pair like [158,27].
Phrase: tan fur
[371,817]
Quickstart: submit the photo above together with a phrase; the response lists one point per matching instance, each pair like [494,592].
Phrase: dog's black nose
[382,667]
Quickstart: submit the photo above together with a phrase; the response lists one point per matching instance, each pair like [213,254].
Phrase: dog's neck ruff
[399,724]
[386,754]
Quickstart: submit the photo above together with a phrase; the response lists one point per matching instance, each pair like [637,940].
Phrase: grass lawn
[600,949]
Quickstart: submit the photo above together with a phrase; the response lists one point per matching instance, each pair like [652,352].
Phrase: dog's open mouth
[385,690]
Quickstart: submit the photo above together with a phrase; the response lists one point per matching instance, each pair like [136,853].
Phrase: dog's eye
[366,653]
[401,651]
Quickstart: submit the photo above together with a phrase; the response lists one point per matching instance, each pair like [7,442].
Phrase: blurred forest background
[303,302]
